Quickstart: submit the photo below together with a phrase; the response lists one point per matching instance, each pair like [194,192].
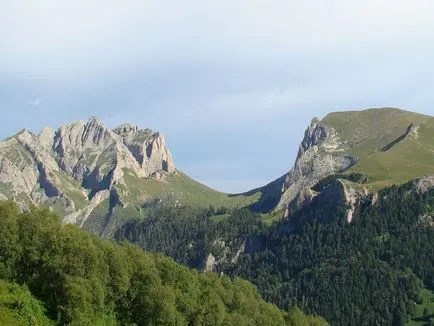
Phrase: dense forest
[368,272]
[189,234]
[54,274]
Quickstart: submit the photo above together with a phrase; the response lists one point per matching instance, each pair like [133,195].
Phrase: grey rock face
[321,153]
[225,255]
[344,194]
[46,138]
[76,160]
[80,216]
[210,264]
[336,193]
[424,184]
[302,199]
[93,154]
[149,148]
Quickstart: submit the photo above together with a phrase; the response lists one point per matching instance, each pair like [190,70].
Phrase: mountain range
[346,234]
[97,177]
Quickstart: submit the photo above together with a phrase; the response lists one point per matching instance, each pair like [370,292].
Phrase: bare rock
[80,216]
[337,193]
[239,252]
[149,148]
[210,264]
[304,198]
[321,154]
[424,184]
[93,154]
[46,138]
[77,161]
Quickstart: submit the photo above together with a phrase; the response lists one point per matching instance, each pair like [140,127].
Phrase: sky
[231,84]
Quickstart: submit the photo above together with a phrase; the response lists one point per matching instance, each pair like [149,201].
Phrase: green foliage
[84,280]
[19,308]
[368,272]
[189,234]
[297,317]
[353,177]
[424,310]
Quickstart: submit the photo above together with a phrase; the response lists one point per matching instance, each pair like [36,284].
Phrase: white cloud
[35,102]
[72,39]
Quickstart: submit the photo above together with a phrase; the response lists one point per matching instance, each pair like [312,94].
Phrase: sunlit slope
[180,189]
[392,146]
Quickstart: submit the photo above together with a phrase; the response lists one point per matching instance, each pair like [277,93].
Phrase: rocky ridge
[384,146]
[321,154]
[77,166]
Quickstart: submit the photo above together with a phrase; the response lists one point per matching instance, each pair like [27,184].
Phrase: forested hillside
[52,274]
[189,234]
[370,271]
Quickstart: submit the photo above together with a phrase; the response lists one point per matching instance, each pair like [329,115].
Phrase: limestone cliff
[149,148]
[321,154]
[336,193]
[75,167]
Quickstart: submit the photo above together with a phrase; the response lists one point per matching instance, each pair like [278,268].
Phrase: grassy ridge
[181,189]
[367,132]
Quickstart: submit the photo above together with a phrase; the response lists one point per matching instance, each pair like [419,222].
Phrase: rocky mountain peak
[313,135]
[24,134]
[77,160]
[149,149]
[46,137]
[320,154]
[374,144]
[126,129]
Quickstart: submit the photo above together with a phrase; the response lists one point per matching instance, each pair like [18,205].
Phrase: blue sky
[231,84]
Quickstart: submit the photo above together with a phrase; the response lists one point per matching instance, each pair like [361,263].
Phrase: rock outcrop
[321,154]
[80,216]
[223,253]
[148,148]
[337,193]
[424,184]
[78,165]
[93,154]
[209,264]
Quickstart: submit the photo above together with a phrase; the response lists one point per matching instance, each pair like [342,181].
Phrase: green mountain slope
[181,189]
[383,146]
[386,153]
[138,197]
[424,311]
[378,269]
[97,177]
[80,279]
